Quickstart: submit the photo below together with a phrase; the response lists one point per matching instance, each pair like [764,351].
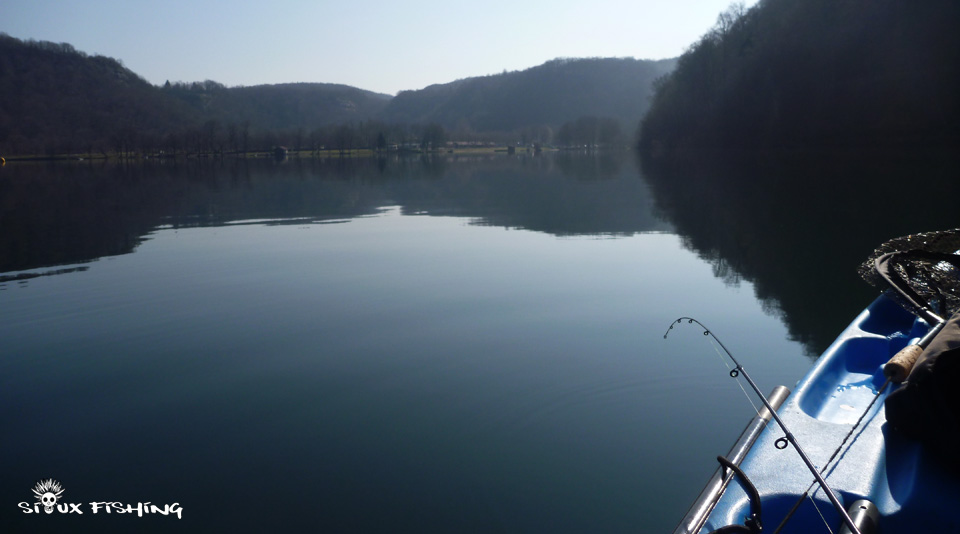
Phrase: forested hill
[816,73]
[57,100]
[551,94]
[53,98]
[280,106]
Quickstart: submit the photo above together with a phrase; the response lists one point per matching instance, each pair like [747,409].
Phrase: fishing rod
[896,268]
[780,443]
[899,367]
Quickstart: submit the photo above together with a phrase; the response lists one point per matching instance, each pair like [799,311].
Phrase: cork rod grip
[898,368]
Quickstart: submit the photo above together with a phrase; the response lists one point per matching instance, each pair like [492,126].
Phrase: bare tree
[728,19]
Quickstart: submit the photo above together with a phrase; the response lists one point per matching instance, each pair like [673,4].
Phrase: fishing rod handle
[899,367]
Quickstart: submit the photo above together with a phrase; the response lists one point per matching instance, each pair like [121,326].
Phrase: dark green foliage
[815,73]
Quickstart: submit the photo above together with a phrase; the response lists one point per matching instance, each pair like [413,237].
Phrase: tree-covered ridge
[280,106]
[54,98]
[815,73]
[557,92]
[57,100]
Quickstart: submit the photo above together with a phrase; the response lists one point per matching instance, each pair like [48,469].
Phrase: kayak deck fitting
[887,482]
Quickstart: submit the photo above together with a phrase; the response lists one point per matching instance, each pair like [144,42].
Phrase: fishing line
[788,436]
[832,456]
[824,519]
[730,369]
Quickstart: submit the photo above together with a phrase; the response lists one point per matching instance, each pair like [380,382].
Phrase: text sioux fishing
[140,508]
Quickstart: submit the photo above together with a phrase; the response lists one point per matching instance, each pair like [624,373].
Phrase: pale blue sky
[383,46]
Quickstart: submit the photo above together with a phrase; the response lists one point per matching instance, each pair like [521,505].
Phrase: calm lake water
[435,345]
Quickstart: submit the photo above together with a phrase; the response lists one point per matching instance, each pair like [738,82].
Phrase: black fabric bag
[927,406]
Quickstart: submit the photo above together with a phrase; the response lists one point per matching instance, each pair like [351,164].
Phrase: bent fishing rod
[788,436]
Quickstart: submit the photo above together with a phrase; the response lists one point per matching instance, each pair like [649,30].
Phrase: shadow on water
[68,213]
[794,225]
[385,358]
[797,225]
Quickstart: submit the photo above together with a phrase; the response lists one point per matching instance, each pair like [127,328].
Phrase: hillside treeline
[57,100]
[817,73]
[557,92]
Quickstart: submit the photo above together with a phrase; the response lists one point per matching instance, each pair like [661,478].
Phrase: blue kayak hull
[911,492]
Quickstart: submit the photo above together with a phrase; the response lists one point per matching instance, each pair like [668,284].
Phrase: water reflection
[23,277]
[357,327]
[797,225]
[59,214]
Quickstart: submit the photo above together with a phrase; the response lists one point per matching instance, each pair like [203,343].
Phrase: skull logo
[48,492]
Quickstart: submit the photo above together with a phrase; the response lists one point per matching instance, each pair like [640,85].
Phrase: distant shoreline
[289,154]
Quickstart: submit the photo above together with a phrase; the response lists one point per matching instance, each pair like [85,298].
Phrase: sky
[379,45]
